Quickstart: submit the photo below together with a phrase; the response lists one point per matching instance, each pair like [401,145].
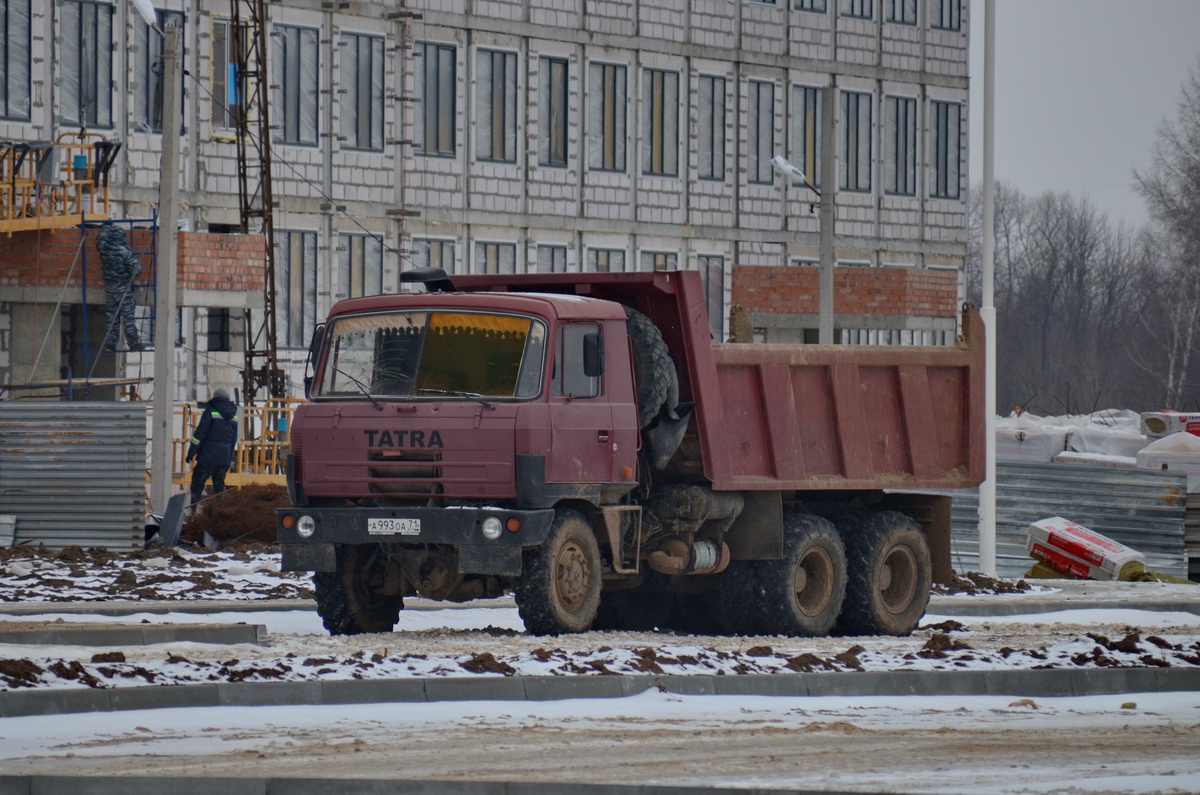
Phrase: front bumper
[458,527]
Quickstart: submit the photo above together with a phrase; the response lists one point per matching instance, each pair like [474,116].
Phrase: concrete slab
[490,688]
[370,691]
[948,683]
[1029,683]
[688,685]
[1177,679]
[164,697]
[552,688]
[256,694]
[139,635]
[856,683]
[14,703]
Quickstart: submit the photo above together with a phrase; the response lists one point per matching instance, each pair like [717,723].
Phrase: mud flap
[481,559]
[308,557]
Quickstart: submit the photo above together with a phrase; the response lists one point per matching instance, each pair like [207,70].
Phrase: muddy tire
[889,575]
[657,380]
[559,589]
[348,599]
[802,593]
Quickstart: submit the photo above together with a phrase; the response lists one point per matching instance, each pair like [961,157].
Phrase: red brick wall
[856,291]
[206,260]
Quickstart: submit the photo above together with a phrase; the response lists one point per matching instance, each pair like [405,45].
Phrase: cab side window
[570,373]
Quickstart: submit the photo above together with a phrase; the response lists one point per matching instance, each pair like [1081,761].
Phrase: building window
[805,145]
[900,146]
[947,14]
[810,5]
[760,146]
[219,330]
[856,142]
[496,106]
[947,149]
[86,64]
[360,265]
[606,117]
[297,59]
[437,100]
[431,253]
[903,12]
[147,73]
[660,123]
[606,260]
[712,276]
[710,127]
[862,9]
[495,258]
[552,112]
[361,107]
[551,259]
[295,287]
[229,101]
[15,60]
[659,261]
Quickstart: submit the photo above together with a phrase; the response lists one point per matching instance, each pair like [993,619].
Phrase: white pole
[164,307]
[987,489]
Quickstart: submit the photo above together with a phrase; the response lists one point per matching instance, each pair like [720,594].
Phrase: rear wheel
[351,600]
[889,574]
[802,593]
[559,589]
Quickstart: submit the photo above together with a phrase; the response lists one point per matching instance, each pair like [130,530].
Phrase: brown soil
[245,514]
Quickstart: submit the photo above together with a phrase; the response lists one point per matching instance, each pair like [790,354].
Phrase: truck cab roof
[550,305]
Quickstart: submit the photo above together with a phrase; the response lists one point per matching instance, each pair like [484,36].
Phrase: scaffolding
[144,286]
[55,185]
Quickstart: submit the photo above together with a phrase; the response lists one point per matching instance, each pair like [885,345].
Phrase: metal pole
[826,216]
[164,305]
[987,489]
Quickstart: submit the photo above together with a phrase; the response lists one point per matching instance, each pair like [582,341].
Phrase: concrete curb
[156,785]
[158,607]
[964,607]
[1033,683]
[138,635]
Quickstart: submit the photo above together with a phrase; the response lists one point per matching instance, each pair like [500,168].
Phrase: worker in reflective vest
[213,443]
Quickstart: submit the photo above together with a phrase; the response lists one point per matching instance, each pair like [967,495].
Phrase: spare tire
[657,381]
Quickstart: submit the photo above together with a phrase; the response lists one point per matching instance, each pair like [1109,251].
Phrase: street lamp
[825,314]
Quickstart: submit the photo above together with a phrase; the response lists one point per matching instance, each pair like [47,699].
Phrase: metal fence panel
[1143,509]
[74,473]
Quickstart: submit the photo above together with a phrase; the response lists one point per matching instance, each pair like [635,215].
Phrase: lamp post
[825,297]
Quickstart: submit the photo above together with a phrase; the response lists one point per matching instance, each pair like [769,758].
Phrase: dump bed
[805,417]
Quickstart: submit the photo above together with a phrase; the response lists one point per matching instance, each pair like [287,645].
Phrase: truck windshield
[434,354]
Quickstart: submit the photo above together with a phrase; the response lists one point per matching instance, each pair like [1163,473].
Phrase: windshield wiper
[478,398]
[361,388]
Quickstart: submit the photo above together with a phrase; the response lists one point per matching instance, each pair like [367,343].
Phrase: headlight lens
[306,526]
[492,528]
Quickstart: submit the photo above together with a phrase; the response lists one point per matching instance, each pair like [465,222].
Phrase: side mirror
[310,363]
[593,355]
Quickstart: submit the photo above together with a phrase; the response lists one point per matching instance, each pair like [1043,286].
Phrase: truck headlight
[306,526]
[492,528]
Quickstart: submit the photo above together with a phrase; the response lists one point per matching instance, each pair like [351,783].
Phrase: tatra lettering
[403,438]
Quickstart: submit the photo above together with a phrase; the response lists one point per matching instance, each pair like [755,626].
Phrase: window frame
[947,171]
[17,84]
[946,15]
[442,124]
[654,261]
[360,265]
[234,104]
[903,12]
[296,48]
[711,138]
[495,257]
[496,102]
[660,122]
[714,291]
[608,124]
[814,6]
[758,165]
[148,98]
[857,135]
[362,109]
[857,9]
[555,260]
[605,256]
[900,146]
[296,288]
[805,132]
[77,54]
[553,111]
[425,248]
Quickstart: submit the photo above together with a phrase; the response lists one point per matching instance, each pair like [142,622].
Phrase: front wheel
[351,600]
[890,573]
[559,588]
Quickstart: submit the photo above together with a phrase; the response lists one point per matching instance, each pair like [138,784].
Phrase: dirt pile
[240,515]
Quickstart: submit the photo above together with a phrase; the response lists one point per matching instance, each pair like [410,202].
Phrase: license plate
[387,527]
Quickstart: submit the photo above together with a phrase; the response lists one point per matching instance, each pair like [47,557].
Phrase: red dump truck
[580,441]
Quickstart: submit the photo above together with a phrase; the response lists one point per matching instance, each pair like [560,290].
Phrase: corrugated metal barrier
[74,473]
[1143,509]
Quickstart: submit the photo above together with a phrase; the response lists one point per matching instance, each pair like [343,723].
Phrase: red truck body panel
[804,417]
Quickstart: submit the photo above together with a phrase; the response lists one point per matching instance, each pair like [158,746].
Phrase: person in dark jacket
[120,267]
[213,443]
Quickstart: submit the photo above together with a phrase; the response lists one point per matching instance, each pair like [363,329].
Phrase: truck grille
[404,472]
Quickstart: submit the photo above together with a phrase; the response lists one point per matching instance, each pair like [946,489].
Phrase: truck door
[580,416]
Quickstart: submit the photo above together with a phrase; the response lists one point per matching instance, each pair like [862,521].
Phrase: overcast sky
[1081,88]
